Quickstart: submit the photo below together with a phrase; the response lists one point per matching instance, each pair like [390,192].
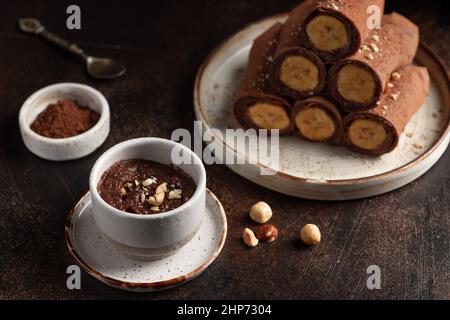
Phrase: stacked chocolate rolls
[297,72]
[257,106]
[377,131]
[326,76]
[335,28]
[356,83]
[317,119]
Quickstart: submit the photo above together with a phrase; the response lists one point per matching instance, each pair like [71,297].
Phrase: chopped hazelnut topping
[385,107]
[394,96]
[376,37]
[157,199]
[390,85]
[334,6]
[396,76]
[161,188]
[370,56]
[160,197]
[155,208]
[129,186]
[374,47]
[152,201]
[175,194]
[148,182]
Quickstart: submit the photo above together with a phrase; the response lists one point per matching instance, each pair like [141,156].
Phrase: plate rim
[318,182]
[143,286]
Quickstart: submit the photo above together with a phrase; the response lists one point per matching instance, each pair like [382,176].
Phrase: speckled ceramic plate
[318,171]
[100,259]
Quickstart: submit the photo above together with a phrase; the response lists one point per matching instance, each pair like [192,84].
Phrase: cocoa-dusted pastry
[297,72]
[145,187]
[357,83]
[335,29]
[317,119]
[256,105]
[377,131]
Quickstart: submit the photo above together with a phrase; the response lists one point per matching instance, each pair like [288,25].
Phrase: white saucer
[100,259]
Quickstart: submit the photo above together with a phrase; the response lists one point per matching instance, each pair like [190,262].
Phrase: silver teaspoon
[101,68]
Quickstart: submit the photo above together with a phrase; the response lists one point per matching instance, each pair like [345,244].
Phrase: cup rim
[104,113]
[201,185]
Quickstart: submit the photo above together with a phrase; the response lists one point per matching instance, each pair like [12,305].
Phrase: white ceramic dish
[317,171]
[100,259]
[149,237]
[68,148]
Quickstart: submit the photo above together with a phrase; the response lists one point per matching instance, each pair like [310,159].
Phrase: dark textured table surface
[406,232]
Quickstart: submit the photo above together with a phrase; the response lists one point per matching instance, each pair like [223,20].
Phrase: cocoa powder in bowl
[64,119]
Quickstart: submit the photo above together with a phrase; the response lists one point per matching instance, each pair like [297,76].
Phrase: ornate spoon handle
[30,25]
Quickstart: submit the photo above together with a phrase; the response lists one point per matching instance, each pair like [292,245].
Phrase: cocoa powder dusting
[64,119]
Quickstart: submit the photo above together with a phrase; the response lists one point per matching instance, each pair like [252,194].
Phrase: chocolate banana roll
[377,131]
[297,72]
[357,83]
[256,105]
[335,29]
[317,119]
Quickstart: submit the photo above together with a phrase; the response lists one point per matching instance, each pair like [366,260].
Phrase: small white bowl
[149,237]
[67,148]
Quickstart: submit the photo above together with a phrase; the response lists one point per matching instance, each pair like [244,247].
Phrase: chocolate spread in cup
[145,187]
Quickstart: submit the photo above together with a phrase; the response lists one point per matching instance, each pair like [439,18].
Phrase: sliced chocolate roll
[377,131]
[297,72]
[317,119]
[357,83]
[256,105]
[336,28]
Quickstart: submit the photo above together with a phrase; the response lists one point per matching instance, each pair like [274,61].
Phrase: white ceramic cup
[67,148]
[149,237]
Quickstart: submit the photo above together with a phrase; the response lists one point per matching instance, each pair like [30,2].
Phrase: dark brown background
[405,232]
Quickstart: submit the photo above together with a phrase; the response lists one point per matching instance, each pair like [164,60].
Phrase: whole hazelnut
[310,234]
[249,238]
[267,233]
[261,212]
